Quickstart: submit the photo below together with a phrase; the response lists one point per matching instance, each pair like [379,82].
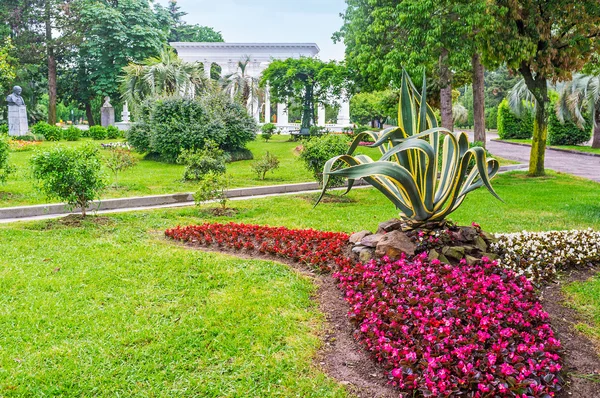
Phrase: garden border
[550,148]
[10,214]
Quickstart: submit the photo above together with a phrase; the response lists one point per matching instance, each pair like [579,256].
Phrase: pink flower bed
[440,329]
[318,249]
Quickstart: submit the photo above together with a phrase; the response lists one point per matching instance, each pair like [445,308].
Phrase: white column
[125,113]
[282,115]
[321,116]
[207,66]
[343,118]
[267,104]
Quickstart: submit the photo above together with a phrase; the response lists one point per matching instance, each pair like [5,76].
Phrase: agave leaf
[358,139]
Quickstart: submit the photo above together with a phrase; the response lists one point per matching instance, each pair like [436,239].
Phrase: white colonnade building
[259,55]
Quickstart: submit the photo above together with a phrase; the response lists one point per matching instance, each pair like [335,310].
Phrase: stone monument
[107,113]
[125,124]
[17,113]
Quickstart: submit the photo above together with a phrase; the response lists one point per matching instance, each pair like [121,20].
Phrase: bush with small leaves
[511,126]
[138,136]
[118,160]
[97,133]
[49,132]
[567,133]
[267,130]
[318,150]
[213,186]
[112,132]
[73,175]
[267,163]
[3,128]
[200,162]
[5,167]
[72,134]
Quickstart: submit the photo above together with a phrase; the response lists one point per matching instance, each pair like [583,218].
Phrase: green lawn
[580,148]
[150,177]
[117,310]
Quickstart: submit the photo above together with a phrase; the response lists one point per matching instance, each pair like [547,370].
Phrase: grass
[114,309]
[150,177]
[579,148]
[585,298]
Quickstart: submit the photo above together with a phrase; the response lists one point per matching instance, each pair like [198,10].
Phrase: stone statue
[17,113]
[107,113]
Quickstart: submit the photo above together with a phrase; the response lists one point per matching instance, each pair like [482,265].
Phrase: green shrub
[267,163]
[317,131]
[510,126]
[202,161]
[72,175]
[5,167]
[3,128]
[31,137]
[97,132]
[567,133]
[50,133]
[267,130]
[118,160]
[213,186]
[239,154]
[112,132]
[317,151]
[181,123]
[72,134]
[138,136]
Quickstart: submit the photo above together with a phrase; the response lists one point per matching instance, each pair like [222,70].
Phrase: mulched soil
[342,358]
[77,220]
[580,356]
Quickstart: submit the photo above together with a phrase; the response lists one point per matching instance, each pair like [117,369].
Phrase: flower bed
[116,145]
[440,329]
[23,146]
[318,249]
[540,255]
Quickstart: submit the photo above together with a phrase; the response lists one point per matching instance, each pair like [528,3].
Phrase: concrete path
[565,162]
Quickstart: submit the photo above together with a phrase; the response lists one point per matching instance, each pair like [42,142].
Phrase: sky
[271,21]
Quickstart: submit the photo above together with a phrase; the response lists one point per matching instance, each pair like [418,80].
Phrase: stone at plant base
[371,240]
[357,237]
[433,255]
[443,259]
[467,234]
[455,253]
[365,255]
[356,249]
[391,225]
[491,256]
[480,243]
[393,244]
[471,260]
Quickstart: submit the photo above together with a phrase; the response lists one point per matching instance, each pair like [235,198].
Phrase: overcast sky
[275,21]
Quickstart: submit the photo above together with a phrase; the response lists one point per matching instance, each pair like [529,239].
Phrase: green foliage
[510,126]
[113,132]
[267,163]
[407,172]
[5,167]
[181,31]
[118,160]
[317,151]
[366,107]
[7,65]
[180,123]
[306,80]
[72,134]
[138,137]
[3,129]
[239,154]
[317,131]
[49,132]
[202,161]
[73,175]
[267,130]
[97,132]
[213,186]
[567,133]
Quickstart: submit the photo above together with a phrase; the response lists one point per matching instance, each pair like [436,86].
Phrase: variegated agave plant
[407,172]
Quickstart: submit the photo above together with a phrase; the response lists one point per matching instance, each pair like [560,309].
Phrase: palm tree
[580,96]
[242,86]
[165,75]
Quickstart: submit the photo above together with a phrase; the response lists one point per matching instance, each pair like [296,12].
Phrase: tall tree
[243,86]
[308,80]
[544,40]
[179,30]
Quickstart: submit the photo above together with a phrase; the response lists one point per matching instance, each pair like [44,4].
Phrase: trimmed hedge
[567,133]
[510,126]
[49,132]
[97,133]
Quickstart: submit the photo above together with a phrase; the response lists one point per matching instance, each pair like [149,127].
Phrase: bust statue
[107,102]
[15,98]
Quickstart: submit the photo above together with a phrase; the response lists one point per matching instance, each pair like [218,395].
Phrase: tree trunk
[446,91]
[307,108]
[478,99]
[596,136]
[89,114]
[51,67]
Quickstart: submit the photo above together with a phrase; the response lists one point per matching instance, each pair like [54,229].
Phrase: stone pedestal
[17,120]
[107,116]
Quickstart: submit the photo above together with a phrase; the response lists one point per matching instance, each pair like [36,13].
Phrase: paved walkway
[579,165]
